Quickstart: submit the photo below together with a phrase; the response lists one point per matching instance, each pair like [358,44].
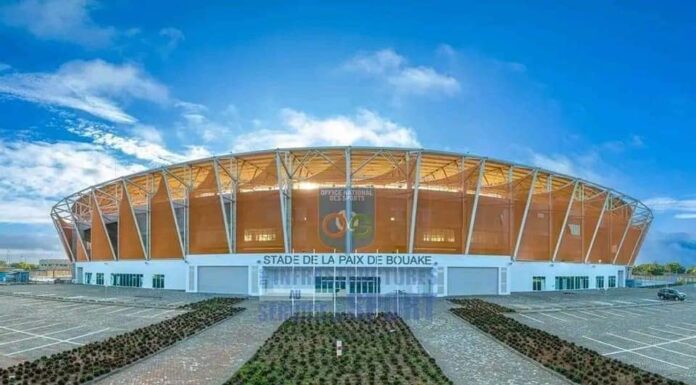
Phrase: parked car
[671,294]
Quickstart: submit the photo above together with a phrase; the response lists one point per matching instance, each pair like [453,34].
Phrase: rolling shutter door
[472,281]
[223,279]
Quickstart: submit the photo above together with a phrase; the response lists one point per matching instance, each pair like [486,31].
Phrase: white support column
[349,202]
[176,222]
[222,205]
[61,232]
[482,170]
[288,196]
[282,185]
[599,223]
[623,237]
[414,207]
[565,223]
[101,219]
[524,216]
[126,195]
[233,217]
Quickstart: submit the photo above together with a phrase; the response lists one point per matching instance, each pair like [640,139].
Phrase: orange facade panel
[101,245]
[207,230]
[164,237]
[129,245]
[492,233]
[499,217]
[306,224]
[639,244]
[591,213]
[544,224]
[259,224]
[629,244]
[610,233]
[391,222]
[66,235]
[442,221]
[571,246]
[621,217]
[81,255]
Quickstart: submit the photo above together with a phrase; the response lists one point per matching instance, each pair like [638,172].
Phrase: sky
[91,90]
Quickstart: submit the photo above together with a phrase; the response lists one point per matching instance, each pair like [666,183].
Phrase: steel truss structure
[426,202]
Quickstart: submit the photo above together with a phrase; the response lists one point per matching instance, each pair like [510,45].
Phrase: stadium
[351,220]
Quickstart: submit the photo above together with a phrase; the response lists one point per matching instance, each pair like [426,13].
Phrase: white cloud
[301,130]
[4,67]
[681,208]
[136,147]
[581,166]
[60,20]
[37,174]
[173,37]
[392,69]
[423,81]
[95,87]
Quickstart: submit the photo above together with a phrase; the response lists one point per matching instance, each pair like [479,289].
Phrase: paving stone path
[469,357]
[210,357]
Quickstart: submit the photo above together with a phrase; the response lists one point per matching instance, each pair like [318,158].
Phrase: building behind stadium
[351,220]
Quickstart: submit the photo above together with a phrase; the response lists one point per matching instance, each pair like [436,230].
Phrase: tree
[692,271]
[675,268]
[24,266]
[649,269]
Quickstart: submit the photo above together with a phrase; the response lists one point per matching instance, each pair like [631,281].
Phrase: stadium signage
[346,260]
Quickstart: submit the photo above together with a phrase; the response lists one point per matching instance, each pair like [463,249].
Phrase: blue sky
[602,90]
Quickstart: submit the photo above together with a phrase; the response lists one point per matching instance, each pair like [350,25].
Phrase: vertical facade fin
[524,216]
[102,250]
[623,237]
[165,238]
[599,223]
[414,208]
[565,222]
[130,242]
[482,170]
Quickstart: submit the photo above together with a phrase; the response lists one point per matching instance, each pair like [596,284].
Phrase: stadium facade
[351,220]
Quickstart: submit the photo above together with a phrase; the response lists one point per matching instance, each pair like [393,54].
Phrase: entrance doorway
[364,285]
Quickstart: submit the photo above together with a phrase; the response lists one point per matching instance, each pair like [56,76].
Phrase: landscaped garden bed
[578,364]
[375,350]
[97,359]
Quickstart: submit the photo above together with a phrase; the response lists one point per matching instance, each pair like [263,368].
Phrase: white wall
[519,274]
[174,271]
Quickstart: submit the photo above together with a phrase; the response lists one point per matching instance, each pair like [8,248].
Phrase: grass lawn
[376,350]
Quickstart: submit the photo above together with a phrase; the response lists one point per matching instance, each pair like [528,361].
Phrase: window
[572,283]
[158,281]
[574,229]
[127,280]
[612,281]
[600,282]
[100,278]
[88,278]
[439,235]
[259,235]
[326,284]
[538,283]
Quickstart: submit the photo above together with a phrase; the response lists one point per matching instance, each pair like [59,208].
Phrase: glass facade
[572,283]
[600,282]
[127,280]
[538,283]
[158,281]
[367,199]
